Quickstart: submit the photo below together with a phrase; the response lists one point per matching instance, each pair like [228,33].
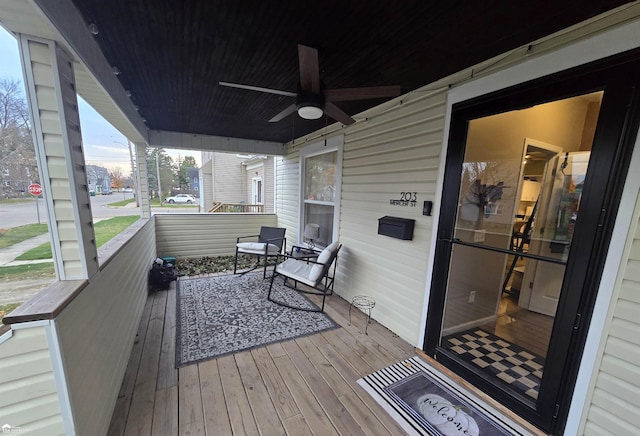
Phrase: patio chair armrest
[244,237]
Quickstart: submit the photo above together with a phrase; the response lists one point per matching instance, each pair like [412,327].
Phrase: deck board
[304,386]
[216,418]
[190,411]
[140,417]
[167,372]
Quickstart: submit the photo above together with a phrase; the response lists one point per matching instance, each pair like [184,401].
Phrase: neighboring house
[98,179]
[465,160]
[238,178]
[17,172]
[194,180]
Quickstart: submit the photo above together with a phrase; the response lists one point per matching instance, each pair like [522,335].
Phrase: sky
[103,144]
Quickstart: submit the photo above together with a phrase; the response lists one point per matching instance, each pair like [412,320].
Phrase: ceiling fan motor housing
[310,106]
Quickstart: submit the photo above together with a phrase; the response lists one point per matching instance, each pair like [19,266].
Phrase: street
[20,214]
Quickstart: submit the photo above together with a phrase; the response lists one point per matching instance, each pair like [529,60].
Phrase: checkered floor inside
[519,368]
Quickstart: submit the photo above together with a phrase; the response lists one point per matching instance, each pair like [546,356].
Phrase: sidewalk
[8,254]
[21,290]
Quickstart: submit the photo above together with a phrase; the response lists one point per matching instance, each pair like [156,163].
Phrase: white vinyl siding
[287,194]
[229,178]
[143,180]
[398,151]
[206,234]
[268,183]
[207,183]
[97,329]
[28,395]
[390,154]
[615,406]
[58,143]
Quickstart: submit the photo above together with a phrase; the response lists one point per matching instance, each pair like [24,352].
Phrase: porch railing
[73,340]
[236,208]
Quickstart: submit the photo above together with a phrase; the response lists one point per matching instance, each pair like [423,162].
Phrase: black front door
[532,184]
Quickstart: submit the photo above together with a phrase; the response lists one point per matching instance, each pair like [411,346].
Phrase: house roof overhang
[171,56]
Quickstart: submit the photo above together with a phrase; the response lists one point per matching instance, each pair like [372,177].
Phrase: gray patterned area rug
[226,314]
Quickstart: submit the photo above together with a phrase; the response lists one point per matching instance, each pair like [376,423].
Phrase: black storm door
[532,185]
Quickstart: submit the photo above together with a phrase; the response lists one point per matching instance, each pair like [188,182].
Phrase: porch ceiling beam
[190,141]
[114,104]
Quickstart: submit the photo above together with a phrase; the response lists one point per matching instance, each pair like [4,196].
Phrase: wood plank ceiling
[171,54]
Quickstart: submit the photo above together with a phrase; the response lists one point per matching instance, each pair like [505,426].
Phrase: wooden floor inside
[298,387]
[527,329]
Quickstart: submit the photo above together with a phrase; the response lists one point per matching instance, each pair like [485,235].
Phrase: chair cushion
[257,248]
[297,270]
[323,257]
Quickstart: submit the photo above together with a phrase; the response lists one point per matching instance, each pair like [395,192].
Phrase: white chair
[269,243]
[308,276]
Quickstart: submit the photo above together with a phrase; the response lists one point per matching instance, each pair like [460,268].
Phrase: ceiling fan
[312,101]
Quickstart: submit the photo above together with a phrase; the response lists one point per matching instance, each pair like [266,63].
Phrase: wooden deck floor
[299,387]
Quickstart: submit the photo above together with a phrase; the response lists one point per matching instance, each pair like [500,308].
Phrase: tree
[18,166]
[182,174]
[13,108]
[165,166]
[117,179]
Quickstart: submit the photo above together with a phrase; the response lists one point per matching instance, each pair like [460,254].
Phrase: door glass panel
[518,204]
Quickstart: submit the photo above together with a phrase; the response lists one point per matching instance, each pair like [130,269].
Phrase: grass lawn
[18,234]
[105,230]
[122,202]
[24,272]
[16,200]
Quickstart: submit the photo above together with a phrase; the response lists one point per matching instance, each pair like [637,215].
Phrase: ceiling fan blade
[258,88]
[309,69]
[289,110]
[347,94]
[337,114]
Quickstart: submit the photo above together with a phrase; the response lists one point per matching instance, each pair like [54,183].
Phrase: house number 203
[408,196]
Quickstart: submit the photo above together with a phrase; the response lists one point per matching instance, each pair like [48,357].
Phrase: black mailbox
[400,228]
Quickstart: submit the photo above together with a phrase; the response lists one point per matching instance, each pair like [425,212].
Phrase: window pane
[320,177]
[323,215]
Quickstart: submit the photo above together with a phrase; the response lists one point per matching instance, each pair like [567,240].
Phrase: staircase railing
[219,207]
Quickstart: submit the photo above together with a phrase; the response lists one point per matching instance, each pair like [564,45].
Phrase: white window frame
[257,190]
[328,145]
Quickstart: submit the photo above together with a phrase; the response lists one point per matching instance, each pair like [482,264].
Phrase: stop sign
[35,189]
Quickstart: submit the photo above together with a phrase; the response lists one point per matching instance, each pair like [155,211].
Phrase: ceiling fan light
[310,112]
[310,106]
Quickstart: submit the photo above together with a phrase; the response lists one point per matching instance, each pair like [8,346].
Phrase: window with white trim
[321,169]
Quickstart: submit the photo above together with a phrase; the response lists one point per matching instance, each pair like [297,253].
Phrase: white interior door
[559,205]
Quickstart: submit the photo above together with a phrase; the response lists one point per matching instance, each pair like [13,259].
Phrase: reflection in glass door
[523,233]
[518,203]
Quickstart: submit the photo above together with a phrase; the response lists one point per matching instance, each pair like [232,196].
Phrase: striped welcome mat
[426,402]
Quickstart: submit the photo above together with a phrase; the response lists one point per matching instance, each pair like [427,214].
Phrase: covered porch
[297,387]
[93,353]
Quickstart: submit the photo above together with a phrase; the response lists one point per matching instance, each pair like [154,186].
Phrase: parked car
[181,198]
